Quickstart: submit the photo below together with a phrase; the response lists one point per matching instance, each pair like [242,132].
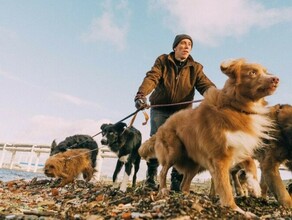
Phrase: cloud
[43,129]
[74,100]
[111,27]
[209,21]
[61,96]
[12,77]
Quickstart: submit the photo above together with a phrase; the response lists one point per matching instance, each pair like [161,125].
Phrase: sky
[66,67]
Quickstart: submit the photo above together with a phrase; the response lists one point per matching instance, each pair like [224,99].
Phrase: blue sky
[68,66]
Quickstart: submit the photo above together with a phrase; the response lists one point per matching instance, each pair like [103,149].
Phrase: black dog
[76,142]
[125,142]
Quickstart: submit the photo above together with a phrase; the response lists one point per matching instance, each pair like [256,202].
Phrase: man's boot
[176,180]
[151,174]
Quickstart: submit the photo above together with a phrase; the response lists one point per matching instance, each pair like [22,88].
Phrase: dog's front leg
[264,187]
[128,168]
[162,180]
[220,174]
[271,175]
[136,169]
[236,183]
[212,192]
[65,179]
[118,168]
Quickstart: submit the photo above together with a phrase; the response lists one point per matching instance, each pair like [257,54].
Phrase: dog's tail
[147,150]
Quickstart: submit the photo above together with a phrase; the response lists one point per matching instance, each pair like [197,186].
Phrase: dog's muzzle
[48,173]
[104,141]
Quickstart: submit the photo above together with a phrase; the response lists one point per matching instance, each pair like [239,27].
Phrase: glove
[140,101]
[140,104]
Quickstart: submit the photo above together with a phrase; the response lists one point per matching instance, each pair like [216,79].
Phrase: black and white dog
[76,142]
[125,142]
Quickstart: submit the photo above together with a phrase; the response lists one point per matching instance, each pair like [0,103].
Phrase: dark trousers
[157,118]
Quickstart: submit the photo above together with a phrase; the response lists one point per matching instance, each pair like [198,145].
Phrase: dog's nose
[103,141]
[275,80]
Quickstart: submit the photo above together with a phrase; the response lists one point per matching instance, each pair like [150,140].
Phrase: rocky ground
[41,199]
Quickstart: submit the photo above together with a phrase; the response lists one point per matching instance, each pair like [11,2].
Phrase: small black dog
[76,142]
[125,142]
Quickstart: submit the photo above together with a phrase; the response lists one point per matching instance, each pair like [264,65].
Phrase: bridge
[31,157]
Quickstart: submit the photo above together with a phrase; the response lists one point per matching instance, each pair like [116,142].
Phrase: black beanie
[180,37]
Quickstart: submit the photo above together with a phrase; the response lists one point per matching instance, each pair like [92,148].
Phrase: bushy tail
[147,150]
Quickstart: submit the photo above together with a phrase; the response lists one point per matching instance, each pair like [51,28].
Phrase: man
[174,78]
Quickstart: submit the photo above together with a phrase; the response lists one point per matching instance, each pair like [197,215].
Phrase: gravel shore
[41,199]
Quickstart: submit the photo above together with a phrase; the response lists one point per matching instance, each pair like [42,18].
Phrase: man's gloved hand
[140,104]
[140,101]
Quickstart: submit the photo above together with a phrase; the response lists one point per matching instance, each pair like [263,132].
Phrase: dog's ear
[102,127]
[232,67]
[120,126]
[53,148]
[54,144]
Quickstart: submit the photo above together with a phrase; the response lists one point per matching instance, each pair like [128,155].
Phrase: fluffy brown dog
[223,130]
[68,165]
[277,152]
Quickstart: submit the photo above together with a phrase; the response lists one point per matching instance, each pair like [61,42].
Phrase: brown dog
[223,130]
[68,165]
[277,152]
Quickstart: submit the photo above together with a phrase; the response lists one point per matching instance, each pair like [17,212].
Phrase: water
[8,175]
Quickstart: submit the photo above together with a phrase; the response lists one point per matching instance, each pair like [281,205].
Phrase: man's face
[183,49]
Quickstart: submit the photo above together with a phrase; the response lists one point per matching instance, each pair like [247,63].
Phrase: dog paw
[248,215]
[116,185]
[115,192]
[163,192]
[123,188]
